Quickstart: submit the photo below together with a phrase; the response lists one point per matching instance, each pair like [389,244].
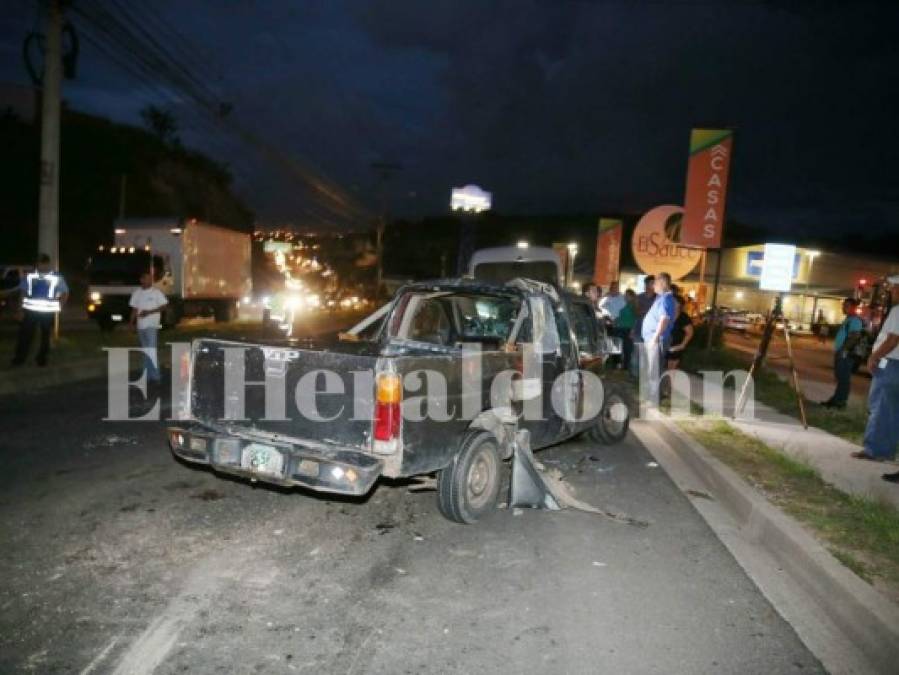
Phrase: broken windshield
[446,318]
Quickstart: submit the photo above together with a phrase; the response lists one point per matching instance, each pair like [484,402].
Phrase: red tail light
[387,421]
[388,392]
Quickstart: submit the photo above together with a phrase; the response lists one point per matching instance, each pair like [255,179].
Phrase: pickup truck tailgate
[342,417]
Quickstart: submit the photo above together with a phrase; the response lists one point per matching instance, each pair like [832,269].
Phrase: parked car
[737,321]
[358,433]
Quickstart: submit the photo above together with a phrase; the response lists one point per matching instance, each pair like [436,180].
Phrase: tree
[161,123]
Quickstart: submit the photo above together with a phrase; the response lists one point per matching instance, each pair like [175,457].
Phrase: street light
[522,244]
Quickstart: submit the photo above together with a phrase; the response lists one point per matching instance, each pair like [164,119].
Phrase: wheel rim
[615,415]
[481,478]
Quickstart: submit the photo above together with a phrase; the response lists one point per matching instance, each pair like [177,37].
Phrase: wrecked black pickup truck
[447,378]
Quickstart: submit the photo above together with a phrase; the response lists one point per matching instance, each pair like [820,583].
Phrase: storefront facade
[821,280]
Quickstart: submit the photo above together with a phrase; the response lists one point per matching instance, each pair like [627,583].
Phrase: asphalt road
[117,558]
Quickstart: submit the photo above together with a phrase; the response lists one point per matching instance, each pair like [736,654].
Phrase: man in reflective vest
[44,292]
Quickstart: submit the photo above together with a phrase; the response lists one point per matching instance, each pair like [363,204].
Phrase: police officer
[44,292]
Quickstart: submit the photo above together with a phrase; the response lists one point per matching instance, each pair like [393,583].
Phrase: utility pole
[48,212]
[713,322]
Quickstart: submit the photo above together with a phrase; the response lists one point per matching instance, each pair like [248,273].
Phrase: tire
[610,428]
[467,489]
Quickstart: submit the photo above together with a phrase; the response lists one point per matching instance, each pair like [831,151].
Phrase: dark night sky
[554,106]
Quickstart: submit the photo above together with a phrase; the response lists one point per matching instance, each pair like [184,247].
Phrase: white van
[504,263]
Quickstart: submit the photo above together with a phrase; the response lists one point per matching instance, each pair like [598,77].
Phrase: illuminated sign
[470,198]
[777,267]
[654,247]
[755,261]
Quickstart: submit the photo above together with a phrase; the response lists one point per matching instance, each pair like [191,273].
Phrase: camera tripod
[762,352]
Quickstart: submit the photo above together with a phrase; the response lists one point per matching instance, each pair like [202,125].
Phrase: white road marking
[98,659]
[154,644]
[202,585]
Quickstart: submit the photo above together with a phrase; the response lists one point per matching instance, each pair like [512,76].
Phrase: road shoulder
[846,623]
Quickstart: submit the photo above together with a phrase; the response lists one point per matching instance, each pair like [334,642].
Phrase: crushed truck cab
[438,383]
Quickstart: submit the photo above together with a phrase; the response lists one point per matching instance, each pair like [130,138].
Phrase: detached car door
[555,359]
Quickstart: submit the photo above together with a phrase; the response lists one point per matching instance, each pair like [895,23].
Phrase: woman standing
[681,334]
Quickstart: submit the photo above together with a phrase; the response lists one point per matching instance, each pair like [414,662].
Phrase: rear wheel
[614,418]
[467,489]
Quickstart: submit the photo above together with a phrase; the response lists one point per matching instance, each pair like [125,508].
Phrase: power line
[150,61]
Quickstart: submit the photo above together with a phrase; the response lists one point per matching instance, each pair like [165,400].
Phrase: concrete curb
[866,618]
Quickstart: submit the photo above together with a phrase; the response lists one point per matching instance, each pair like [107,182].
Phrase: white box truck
[203,269]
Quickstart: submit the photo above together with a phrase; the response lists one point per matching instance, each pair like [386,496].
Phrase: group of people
[882,429]
[656,320]
[44,292]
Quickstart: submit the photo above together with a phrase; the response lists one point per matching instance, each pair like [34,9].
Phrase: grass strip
[848,423]
[863,534]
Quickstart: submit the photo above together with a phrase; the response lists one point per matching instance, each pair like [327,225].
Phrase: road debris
[533,484]
[108,441]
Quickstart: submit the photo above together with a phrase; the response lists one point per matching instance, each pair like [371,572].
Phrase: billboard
[470,198]
[707,172]
[608,251]
[654,243]
[755,261]
[777,268]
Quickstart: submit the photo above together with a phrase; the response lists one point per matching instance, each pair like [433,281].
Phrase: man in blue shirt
[656,333]
[848,336]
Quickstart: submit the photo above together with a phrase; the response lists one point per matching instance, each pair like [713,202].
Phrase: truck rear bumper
[342,471]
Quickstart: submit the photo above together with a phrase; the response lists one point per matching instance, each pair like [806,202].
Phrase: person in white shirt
[612,303]
[882,430]
[147,303]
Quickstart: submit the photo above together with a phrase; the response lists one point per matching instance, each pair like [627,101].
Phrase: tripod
[762,352]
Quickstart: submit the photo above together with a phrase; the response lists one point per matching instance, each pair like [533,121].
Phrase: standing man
[656,333]
[644,302]
[882,431]
[844,343]
[44,292]
[612,303]
[146,304]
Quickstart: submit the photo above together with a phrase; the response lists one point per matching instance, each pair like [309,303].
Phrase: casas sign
[655,246]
